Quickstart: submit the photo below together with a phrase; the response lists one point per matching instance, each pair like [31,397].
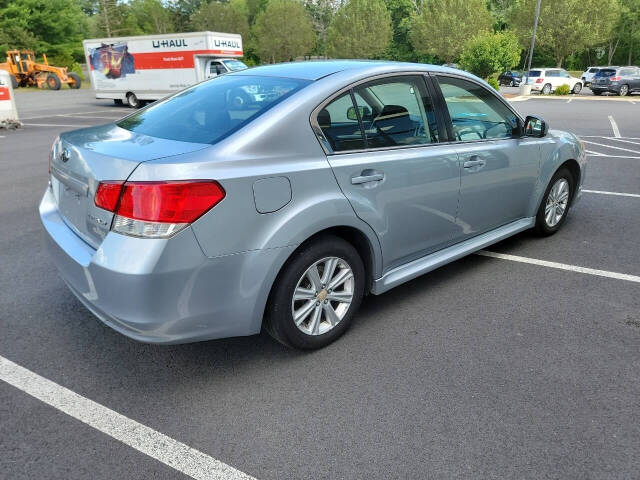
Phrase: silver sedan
[280,196]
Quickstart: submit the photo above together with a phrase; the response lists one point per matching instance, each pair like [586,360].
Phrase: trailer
[149,67]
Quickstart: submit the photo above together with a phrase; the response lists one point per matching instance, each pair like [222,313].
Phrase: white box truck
[150,67]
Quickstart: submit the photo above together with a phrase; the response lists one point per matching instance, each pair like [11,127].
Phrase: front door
[214,68]
[499,169]
[387,160]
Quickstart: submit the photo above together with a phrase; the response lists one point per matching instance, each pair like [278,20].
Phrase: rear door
[382,139]
[499,169]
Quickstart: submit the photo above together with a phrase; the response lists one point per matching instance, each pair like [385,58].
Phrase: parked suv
[588,74]
[546,80]
[510,78]
[619,80]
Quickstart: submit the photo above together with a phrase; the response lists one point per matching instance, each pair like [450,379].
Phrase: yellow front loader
[25,71]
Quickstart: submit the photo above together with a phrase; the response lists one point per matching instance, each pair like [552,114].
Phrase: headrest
[324,119]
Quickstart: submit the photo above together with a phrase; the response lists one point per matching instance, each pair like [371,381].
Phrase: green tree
[442,27]
[566,26]
[321,12]
[490,53]
[283,31]
[351,34]
[151,16]
[229,17]
[49,26]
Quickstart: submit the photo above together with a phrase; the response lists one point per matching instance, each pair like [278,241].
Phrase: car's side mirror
[364,112]
[535,127]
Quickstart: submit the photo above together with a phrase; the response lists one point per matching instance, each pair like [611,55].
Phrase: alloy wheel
[624,89]
[557,202]
[322,296]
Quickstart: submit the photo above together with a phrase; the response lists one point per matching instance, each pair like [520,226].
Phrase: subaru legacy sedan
[278,197]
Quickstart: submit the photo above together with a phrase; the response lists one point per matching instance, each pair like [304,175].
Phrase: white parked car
[588,74]
[546,80]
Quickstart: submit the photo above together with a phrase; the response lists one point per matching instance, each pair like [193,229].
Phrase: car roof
[317,69]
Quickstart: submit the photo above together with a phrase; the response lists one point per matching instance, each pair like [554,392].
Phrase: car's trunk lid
[84,158]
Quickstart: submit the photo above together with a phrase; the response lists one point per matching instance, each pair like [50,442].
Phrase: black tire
[53,82]
[14,82]
[548,88]
[279,321]
[77,81]
[541,227]
[512,83]
[624,90]
[133,101]
[577,88]
[117,101]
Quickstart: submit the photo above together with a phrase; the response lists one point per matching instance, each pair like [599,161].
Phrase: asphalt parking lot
[523,362]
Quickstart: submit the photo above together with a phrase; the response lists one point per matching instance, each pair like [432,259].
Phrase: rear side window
[476,114]
[212,110]
[340,126]
[594,70]
[606,72]
[390,112]
[396,111]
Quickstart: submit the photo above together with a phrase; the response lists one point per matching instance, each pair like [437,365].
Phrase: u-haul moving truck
[149,67]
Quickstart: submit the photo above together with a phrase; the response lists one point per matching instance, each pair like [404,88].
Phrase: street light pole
[533,37]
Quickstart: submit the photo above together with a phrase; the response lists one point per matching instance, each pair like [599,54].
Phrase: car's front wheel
[555,203]
[316,295]
[577,88]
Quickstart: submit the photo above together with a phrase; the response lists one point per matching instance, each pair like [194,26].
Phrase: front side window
[209,111]
[396,111]
[476,114]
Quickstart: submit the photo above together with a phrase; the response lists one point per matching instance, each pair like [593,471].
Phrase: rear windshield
[212,110]
[534,73]
[594,70]
[606,72]
[234,65]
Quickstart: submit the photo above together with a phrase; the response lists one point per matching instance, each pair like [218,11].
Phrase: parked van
[150,67]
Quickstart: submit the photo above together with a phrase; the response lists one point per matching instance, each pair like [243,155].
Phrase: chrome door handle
[474,161]
[365,177]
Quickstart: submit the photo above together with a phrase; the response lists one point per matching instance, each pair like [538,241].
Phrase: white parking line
[165,449]
[611,146]
[602,192]
[561,266]
[625,141]
[569,101]
[78,125]
[611,156]
[89,116]
[614,127]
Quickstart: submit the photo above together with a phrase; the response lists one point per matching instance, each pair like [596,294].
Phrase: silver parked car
[203,217]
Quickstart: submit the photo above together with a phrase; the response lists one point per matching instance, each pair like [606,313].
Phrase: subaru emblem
[65,155]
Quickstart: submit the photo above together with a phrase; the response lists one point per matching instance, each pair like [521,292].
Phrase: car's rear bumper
[162,290]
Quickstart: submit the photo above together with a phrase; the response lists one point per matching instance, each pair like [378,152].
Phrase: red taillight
[540,80]
[615,79]
[160,202]
[169,202]
[107,195]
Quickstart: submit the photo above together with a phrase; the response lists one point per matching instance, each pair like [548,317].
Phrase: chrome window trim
[324,143]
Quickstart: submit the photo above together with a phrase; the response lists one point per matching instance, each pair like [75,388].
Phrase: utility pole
[533,37]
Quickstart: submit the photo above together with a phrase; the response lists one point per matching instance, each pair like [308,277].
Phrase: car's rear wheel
[577,88]
[555,203]
[624,90]
[316,295]
[512,83]
[546,90]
